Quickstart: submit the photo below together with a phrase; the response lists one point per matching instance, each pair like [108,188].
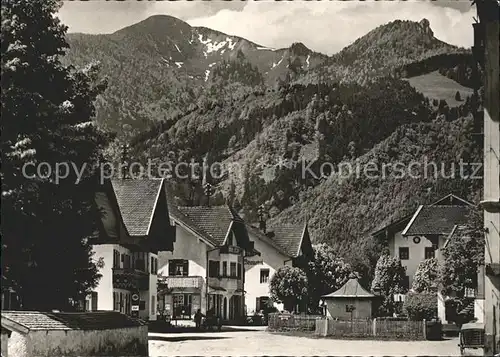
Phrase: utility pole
[486,52]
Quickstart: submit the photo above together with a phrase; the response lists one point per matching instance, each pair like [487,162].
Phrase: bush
[420,306]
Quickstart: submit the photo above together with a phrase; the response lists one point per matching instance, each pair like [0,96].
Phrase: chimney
[208,192]
[125,163]
[262,220]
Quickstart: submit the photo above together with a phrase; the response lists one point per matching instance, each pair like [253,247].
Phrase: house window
[116,301]
[213,268]
[429,252]
[116,259]
[127,303]
[239,270]
[264,276]
[178,267]
[232,268]
[404,253]
[153,305]
[224,268]
[126,262]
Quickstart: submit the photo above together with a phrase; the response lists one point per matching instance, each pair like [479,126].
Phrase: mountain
[158,67]
[383,51]
[178,93]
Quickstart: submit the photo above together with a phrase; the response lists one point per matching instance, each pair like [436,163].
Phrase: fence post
[425,330]
[324,330]
[374,327]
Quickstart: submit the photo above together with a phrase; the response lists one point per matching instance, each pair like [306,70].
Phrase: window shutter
[480,283]
[185,267]
[94,301]
[171,268]
[257,304]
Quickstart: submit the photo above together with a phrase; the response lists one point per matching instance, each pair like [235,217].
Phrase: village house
[135,227]
[423,235]
[279,245]
[409,238]
[205,269]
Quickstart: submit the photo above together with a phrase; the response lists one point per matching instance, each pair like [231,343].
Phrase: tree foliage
[462,256]
[420,306]
[46,119]
[326,273]
[426,278]
[288,285]
[388,280]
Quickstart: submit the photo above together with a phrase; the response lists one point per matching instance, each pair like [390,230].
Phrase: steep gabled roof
[432,220]
[449,199]
[263,237]
[137,201]
[25,321]
[212,223]
[289,237]
[351,289]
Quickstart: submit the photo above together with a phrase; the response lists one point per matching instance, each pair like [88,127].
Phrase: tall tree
[46,124]
[463,256]
[288,286]
[388,280]
[326,273]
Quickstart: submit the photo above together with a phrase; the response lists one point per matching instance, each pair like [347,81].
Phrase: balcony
[225,283]
[130,279]
[230,250]
[184,282]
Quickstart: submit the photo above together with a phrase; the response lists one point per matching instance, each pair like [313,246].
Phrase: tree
[426,277]
[420,306]
[288,286]
[458,98]
[326,273]
[388,280]
[463,256]
[46,119]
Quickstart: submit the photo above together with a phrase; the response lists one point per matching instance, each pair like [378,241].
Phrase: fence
[383,329]
[279,322]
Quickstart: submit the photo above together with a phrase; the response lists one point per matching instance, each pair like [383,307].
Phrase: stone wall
[117,342]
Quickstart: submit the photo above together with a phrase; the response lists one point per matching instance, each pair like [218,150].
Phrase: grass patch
[436,86]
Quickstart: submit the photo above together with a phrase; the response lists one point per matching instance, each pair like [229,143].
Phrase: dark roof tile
[211,222]
[99,320]
[350,289]
[288,237]
[437,220]
[136,201]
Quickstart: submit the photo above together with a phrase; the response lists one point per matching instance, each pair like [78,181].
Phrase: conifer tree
[46,119]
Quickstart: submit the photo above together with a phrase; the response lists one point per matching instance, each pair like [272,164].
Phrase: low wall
[277,322]
[383,329]
[132,341]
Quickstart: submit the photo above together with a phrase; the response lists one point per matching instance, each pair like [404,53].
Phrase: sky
[323,26]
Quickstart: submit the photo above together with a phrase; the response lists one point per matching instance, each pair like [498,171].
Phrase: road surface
[258,342]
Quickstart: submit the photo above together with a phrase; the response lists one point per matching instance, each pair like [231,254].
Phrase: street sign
[135,307]
[135,297]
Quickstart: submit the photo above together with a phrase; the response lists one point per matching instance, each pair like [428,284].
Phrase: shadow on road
[185,338]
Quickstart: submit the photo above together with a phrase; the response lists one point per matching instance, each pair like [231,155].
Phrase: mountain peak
[299,49]
[425,25]
[157,24]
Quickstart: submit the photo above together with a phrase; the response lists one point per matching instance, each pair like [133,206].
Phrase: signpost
[135,304]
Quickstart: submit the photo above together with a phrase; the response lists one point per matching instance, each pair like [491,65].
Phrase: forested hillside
[178,93]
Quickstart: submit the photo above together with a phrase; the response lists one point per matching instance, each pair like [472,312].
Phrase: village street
[259,342]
